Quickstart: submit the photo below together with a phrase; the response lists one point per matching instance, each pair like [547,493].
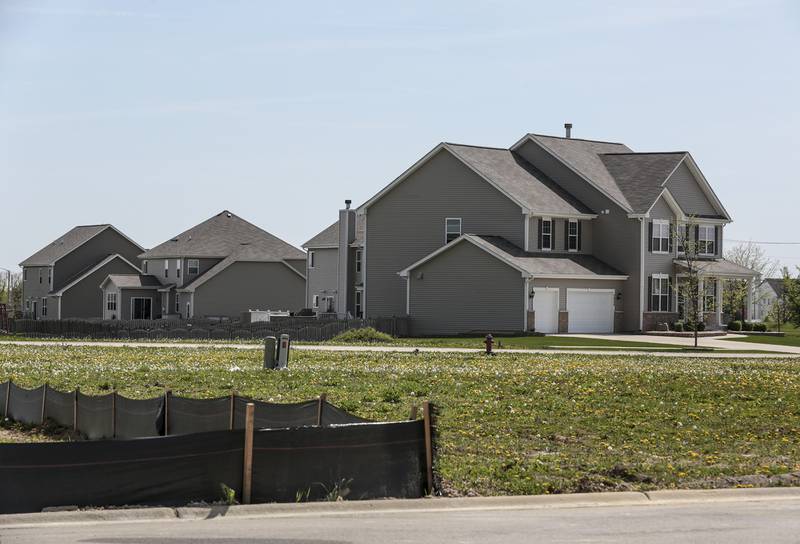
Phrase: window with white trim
[315,301]
[660,241]
[44,306]
[28,305]
[311,260]
[659,293]
[359,296]
[709,295]
[40,275]
[358,261]
[547,234]
[111,301]
[452,229]
[706,239]
[50,276]
[144,266]
[193,266]
[572,235]
[166,268]
[177,303]
[177,268]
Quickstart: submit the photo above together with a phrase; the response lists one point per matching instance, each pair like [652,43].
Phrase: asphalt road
[729,522]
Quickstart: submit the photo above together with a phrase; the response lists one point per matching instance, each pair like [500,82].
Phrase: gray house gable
[69,242]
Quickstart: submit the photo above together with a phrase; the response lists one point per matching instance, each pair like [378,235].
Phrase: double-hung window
[709,295]
[547,234]
[358,261]
[452,229]
[44,306]
[359,297]
[111,301]
[40,275]
[315,301]
[311,259]
[166,268]
[49,276]
[706,239]
[660,241]
[144,266]
[177,303]
[193,266]
[177,268]
[572,235]
[659,293]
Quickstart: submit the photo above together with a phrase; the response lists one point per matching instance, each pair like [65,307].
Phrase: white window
[659,293]
[311,260]
[166,268]
[315,301]
[177,303]
[572,235]
[452,229]
[359,295]
[547,234]
[28,305]
[111,301]
[706,239]
[144,267]
[49,276]
[709,295]
[188,308]
[44,306]
[358,260]
[660,241]
[177,268]
[193,265]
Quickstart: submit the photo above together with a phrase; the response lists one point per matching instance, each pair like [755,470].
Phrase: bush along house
[218,269]
[61,280]
[554,234]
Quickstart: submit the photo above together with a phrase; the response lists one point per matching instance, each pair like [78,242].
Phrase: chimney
[347,235]
[347,204]
[568,128]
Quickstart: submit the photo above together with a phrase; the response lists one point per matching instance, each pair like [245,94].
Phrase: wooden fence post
[233,409]
[320,407]
[8,398]
[114,413]
[413,414]
[247,475]
[44,401]
[167,393]
[426,414]
[75,409]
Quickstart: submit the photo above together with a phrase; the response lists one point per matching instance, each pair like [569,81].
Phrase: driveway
[718,342]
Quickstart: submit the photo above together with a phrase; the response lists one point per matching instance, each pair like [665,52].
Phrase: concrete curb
[422,506]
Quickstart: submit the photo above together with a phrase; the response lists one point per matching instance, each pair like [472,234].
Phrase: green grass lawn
[510,424]
[792,337]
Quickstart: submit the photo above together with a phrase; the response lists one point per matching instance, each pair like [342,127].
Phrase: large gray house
[220,268]
[62,279]
[551,235]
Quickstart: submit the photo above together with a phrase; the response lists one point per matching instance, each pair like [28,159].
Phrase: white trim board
[95,268]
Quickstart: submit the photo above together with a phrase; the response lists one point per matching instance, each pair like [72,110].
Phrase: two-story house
[552,234]
[220,268]
[62,279]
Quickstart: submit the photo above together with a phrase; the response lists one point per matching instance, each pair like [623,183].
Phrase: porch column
[719,303]
[749,300]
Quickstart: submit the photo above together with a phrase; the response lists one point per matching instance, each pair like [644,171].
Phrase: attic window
[452,229]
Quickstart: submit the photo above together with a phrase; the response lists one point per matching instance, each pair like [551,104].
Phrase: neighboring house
[552,234]
[220,268]
[766,294]
[61,280]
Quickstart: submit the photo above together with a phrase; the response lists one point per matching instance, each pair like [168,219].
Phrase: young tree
[748,255]
[16,290]
[688,287]
[791,296]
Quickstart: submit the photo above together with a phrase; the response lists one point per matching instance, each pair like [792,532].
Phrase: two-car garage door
[590,310]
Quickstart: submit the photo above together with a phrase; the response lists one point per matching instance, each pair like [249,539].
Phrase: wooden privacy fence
[309,329]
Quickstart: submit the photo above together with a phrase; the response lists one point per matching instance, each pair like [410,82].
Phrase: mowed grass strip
[508,424]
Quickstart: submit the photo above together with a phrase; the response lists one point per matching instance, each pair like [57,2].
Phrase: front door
[141,308]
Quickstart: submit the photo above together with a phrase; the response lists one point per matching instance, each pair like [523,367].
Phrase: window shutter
[669,290]
[650,294]
[579,234]
[716,240]
[671,233]
[697,237]
[566,234]
[539,246]
[650,236]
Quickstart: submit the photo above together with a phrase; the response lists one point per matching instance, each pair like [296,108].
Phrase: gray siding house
[551,235]
[62,279]
[220,268]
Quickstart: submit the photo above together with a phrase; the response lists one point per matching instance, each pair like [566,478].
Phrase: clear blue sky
[154,116]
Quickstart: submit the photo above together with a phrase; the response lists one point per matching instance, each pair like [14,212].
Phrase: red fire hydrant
[489,341]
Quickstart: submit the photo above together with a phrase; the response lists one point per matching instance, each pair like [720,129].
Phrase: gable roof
[221,236]
[83,275]
[329,237]
[133,281]
[533,264]
[777,285]
[67,243]
[641,176]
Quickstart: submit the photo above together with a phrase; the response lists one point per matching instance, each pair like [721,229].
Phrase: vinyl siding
[124,304]
[558,238]
[85,299]
[297,264]
[616,239]
[322,279]
[249,285]
[465,289]
[408,223]
[659,263]
[687,192]
[92,252]
[33,290]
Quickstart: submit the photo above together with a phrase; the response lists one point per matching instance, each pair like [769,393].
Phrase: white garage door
[590,310]
[545,306]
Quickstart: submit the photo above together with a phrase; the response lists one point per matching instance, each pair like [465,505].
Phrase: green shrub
[735,325]
[760,327]
[678,326]
[747,326]
[366,335]
[701,326]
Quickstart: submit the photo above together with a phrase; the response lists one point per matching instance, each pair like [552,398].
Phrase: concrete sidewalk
[717,342]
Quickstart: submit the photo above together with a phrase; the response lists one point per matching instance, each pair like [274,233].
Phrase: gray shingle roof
[329,237]
[520,179]
[720,267]
[641,176]
[134,281]
[223,235]
[777,284]
[64,245]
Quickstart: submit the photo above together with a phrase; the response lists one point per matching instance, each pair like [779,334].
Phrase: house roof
[520,179]
[719,268]
[82,275]
[777,285]
[66,244]
[641,176]
[221,236]
[329,237]
[535,264]
[133,281]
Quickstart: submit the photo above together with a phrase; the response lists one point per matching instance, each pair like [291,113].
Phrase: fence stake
[247,476]
[167,393]
[426,414]
[44,400]
[8,398]
[320,405]
[75,409]
[233,401]
[413,415]
[114,413]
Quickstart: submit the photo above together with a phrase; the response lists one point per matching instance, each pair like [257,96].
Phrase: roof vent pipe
[568,128]
[347,204]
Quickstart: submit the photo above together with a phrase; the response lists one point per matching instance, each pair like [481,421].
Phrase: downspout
[642,236]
